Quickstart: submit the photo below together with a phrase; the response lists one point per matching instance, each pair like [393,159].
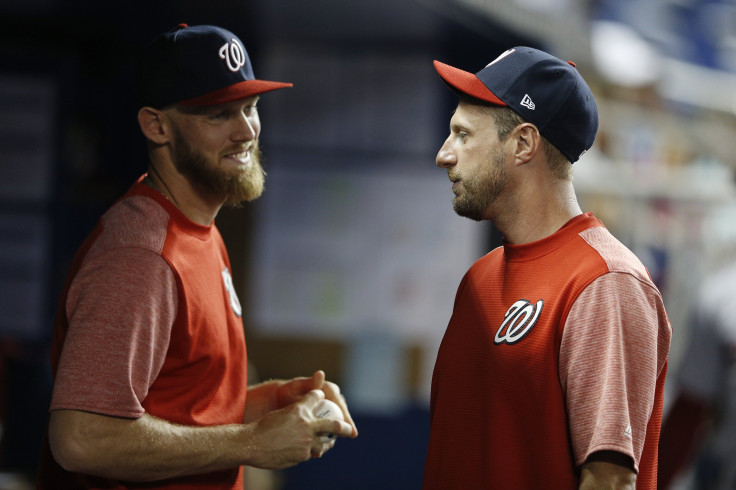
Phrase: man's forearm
[149,449]
[144,449]
[607,470]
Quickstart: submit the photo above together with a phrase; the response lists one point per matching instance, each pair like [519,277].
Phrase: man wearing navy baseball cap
[148,355]
[551,371]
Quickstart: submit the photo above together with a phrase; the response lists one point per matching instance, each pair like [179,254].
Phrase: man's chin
[240,200]
[462,210]
[244,189]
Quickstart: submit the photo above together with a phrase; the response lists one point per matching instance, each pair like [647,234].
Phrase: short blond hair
[506,120]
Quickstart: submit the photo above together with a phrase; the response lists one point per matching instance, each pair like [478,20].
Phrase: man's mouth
[455,182]
[242,157]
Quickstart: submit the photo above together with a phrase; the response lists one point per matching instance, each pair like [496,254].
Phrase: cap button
[183,26]
[572,63]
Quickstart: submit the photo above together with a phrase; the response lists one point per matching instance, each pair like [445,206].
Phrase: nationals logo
[230,288]
[233,54]
[518,321]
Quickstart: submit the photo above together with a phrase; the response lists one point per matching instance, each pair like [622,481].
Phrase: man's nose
[245,130]
[446,158]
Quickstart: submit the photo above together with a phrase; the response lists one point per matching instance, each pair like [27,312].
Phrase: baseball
[330,410]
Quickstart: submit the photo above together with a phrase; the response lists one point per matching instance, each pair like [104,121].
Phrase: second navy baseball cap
[544,90]
[197,65]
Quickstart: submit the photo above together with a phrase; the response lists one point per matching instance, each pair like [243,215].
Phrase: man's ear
[528,143]
[153,124]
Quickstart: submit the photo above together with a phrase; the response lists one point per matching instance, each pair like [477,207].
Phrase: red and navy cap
[197,65]
[544,90]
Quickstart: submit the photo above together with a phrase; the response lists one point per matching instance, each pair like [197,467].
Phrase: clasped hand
[288,433]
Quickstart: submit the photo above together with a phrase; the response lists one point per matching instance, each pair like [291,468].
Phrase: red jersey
[149,322]
[555,349]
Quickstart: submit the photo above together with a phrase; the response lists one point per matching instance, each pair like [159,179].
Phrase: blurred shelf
[704,182]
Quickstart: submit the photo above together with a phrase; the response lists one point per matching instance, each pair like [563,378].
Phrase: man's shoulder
[134,221]
[616,255]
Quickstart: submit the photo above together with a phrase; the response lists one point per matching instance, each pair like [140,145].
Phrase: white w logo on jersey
[518,321]
[230,288]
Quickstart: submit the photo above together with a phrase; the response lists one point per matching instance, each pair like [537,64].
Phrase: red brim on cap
[466,83]
[241,90]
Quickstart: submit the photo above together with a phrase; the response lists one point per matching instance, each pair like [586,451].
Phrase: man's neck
[177,189]
[538,215]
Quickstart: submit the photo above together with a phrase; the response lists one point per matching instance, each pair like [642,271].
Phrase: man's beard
[479,192]
[233,188]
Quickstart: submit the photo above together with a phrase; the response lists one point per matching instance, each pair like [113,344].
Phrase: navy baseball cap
[544,90]
[197,65]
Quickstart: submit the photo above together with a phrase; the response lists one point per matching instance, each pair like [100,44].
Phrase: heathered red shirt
[555,349]
[149,322]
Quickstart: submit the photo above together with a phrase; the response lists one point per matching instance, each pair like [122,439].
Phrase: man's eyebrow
[455,124]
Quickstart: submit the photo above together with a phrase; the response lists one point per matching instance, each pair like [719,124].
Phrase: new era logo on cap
[544,90]
[527,102]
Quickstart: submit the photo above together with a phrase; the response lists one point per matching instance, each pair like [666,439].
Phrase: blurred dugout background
[350,261]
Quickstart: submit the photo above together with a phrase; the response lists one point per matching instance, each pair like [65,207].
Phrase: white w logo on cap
[233,54]
[503,55]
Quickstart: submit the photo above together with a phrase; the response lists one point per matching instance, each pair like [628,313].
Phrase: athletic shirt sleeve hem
[110,411]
